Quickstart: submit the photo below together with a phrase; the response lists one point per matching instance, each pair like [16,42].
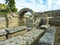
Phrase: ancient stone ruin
[16,29]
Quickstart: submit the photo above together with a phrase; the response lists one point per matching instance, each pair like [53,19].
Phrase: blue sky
[37,5]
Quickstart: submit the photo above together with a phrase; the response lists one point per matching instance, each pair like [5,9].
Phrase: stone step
[2,34]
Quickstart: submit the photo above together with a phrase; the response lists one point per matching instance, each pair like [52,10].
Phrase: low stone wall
[28,38]
[12,32]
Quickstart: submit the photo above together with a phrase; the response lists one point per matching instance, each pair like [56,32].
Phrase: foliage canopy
[11,5]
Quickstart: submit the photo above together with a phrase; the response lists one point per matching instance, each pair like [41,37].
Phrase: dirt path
[57,36]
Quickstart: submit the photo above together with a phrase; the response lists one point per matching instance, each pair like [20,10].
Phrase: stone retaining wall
[12,32]
[28,38]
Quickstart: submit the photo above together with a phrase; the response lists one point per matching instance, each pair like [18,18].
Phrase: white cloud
[37,5]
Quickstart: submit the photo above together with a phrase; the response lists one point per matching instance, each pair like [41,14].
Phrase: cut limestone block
[12,20]
[13,32]
[2,34]
[2,22]
[48,37]
[17,33]
[2,38]
[44,27]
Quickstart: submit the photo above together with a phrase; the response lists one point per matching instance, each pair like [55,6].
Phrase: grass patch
[3,14]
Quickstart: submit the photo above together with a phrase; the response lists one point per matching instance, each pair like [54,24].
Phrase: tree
[11,5]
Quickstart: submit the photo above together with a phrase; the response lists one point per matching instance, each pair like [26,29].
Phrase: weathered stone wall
[12,32]
[22,21]
[54,17]
[12,22]
[9,21]
[55,20]
[29,38]
[2,22]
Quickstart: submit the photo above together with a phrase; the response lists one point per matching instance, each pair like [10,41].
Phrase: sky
[37,5]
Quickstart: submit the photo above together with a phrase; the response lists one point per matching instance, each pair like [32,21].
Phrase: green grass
[3,14]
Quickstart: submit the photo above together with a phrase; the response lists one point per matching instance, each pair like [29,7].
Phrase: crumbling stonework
[9,21]
[12,21]
[12,32]
[24,10]
[21,15]
[28,38]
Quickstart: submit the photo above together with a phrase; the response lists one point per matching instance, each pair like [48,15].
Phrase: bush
[14,10]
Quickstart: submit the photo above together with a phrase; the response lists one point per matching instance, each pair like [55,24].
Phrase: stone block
[29,22]
[22,22]
[13,32]
[13,22]
[19,33]
[2,34]
[34,34]
[2,38]
[2,22]
[44,27]
[48,37]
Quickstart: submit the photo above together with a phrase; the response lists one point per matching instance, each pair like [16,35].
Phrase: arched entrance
[23,11]
[21,15]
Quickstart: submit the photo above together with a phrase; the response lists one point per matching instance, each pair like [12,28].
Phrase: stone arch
[23,11]
[21,15]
